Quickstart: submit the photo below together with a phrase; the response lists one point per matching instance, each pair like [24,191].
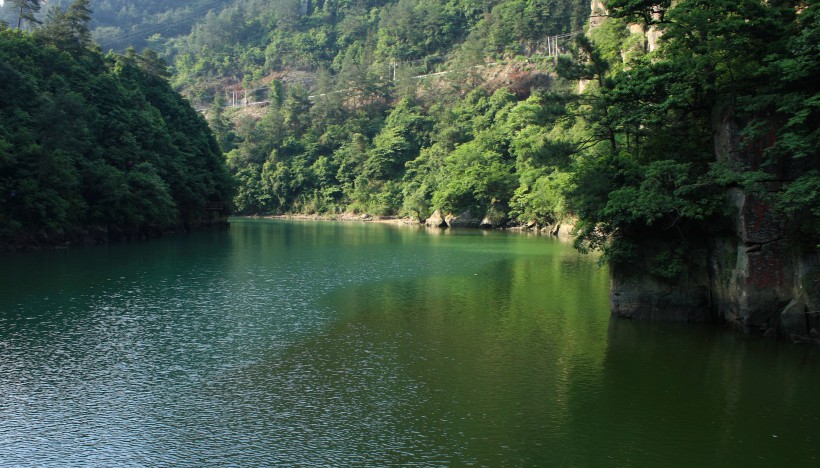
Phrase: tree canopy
[632,157]
[352,123]
[97,146]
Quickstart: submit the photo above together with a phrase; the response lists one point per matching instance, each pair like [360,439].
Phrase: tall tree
[68,29]
[78,15]
[26,9]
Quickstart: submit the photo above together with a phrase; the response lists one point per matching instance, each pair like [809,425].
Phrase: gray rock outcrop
[436,220]
[464,219]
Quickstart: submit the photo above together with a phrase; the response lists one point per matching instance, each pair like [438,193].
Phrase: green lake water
[316,343]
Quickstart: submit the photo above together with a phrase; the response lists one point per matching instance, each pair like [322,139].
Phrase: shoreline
[344,217]
[562,231]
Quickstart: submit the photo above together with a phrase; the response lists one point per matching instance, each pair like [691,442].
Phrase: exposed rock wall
[750,274]
[761,281]
[598,13]
[652,34]
[764,281]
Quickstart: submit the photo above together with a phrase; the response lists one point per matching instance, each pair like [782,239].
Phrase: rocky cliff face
[493,218]
[745,271]
[750,274]
[763,280]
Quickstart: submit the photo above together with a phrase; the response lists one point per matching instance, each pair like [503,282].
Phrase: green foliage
[475,178]
[94,146]
[360,43]
[651,171]
[668,264]
[405,132]
[413,29]
[663,191]
[542,201]
[632,158]
[68,29]
[646,12]
[801,202]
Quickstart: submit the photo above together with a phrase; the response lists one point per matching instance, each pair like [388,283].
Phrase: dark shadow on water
[708,397]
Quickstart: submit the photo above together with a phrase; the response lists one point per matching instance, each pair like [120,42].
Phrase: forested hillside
[727,102]
[94,147]
[119,24]
[351,128]
[631,156]
[389,107]
[357,41]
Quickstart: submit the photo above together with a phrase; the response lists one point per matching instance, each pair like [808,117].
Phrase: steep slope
[97,147]
[355,41]
[351,93]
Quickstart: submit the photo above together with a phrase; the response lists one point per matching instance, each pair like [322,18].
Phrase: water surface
[335,344]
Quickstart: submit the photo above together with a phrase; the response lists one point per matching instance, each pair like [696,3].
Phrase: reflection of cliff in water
[693,393]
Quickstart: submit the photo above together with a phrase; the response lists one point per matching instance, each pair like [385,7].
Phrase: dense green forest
[727,101]
[357,41]
[631,157]
[353,122]
[93,146]
[355,132]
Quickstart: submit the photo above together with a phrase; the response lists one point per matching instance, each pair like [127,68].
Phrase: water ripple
[320,344]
